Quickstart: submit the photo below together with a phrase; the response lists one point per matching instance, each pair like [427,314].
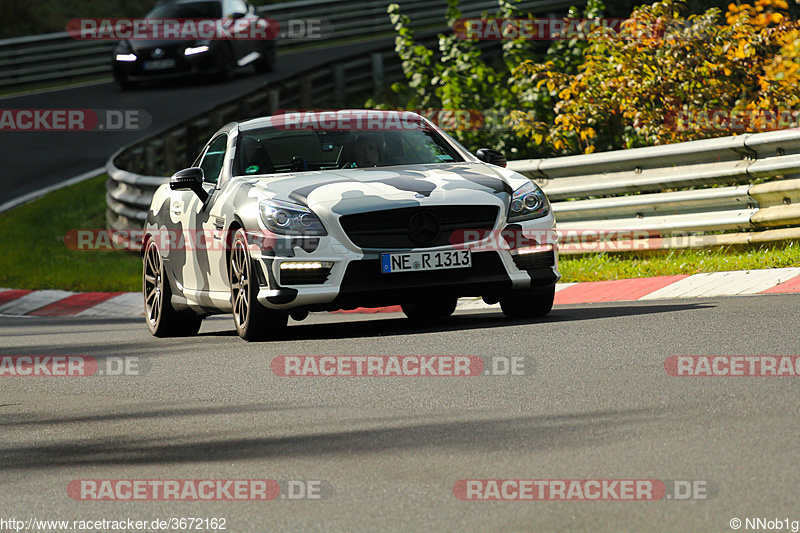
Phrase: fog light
[535,249]
[304,265]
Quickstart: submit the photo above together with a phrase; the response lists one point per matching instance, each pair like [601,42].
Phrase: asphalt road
[32,160]
[596,404]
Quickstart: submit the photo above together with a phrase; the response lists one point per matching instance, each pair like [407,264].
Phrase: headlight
[192,50]
[528,202]
[290,219]
[123,52]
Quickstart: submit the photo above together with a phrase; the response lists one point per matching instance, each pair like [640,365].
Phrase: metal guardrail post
[274,101]
[339,84]
[306,92]
[377,72]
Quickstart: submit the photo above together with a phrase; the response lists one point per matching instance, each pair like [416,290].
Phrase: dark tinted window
[269,150]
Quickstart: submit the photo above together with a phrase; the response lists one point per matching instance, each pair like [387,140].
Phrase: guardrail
[56,56]
[635,190]
[755,213]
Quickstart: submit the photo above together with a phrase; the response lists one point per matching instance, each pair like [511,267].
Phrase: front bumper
[355,278]
[184,66]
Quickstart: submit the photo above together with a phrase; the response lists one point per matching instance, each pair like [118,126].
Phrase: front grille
[171,52]
[311,276]
[389,229]
[535,260]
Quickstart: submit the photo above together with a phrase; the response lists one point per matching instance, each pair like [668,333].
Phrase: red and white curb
[63,303]
[744,282]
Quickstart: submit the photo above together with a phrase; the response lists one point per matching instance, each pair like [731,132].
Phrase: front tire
[528,303]
[126,84]
[162,319]
[253,321]
[227,63]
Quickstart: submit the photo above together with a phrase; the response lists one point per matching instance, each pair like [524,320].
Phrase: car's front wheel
[162,319]
[227,63]
[253,321]
[528,303]
[126,83]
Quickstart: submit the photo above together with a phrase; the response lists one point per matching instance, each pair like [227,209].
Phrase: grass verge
[32,250]
[601,267]
[33,254]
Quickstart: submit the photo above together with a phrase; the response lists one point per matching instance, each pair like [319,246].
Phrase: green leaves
[627,87]
[463,80]
[609,92]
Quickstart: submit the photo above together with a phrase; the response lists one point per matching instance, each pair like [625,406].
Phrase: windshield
[193,10]
[274,150]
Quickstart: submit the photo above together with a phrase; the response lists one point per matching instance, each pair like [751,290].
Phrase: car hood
[359,190]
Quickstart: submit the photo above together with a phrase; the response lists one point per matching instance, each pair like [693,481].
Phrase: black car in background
[137,60]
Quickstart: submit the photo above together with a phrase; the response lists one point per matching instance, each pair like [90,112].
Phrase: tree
[455,77]
[661,78]
[630,87]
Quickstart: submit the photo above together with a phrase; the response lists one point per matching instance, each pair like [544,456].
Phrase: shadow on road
[153,411]
[513,434]
[378,327]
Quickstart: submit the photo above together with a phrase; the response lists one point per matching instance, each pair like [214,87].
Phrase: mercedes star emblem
[424,228]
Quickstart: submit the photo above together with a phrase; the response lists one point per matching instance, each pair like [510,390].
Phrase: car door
[202,246]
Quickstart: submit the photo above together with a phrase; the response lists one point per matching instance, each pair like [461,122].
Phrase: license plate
[415,261]
[159,64]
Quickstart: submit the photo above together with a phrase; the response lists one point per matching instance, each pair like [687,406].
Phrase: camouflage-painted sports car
[299,212]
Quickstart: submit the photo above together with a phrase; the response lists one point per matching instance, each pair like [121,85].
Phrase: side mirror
[189,179]
[493,157]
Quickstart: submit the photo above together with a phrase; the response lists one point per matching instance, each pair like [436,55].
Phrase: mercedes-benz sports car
[280,216]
